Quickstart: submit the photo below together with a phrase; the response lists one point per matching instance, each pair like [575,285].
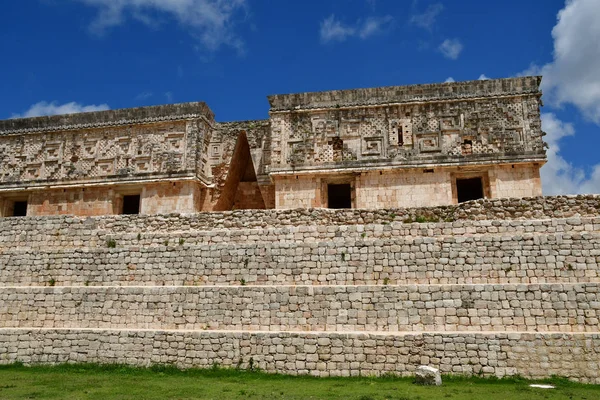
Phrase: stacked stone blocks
[318,292]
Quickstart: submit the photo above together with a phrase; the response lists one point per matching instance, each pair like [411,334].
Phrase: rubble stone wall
[491,287]
[397,308]
[549,251]
[535,355]
[498,210]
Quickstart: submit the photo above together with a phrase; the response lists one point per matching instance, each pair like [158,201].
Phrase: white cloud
[449,80]
[427,18]
[482,77]
[333,30]
[210,21]
[451,48]
[44,108]
[558,175]
[374,25]
[572,77]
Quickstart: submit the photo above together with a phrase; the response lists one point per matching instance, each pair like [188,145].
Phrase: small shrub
[51,282]
[86,283]
[243,282]
[386,280]
[166,242]
[181,241]
[363,235]
[139,236]
[422,218]
[111,243]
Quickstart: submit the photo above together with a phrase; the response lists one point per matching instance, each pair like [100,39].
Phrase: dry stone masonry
[320,292]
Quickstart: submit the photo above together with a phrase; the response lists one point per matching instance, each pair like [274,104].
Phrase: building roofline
[404,94]
[97,119]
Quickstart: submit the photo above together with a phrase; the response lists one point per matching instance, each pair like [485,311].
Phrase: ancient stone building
[422,145]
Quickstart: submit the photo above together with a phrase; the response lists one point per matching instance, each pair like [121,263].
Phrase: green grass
[120,382]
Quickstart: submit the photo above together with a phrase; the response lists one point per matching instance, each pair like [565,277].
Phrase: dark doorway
[469,189]
[20,209]
[339,196]
[131,204]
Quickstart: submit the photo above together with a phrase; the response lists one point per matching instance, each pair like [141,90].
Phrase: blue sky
[64,56]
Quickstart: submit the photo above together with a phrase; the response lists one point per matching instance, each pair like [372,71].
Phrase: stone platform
[321,292]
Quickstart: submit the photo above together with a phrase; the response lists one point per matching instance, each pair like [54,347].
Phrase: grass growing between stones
[120,382]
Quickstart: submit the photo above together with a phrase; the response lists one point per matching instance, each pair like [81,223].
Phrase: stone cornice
[99,119]
[439,162]
[528,85]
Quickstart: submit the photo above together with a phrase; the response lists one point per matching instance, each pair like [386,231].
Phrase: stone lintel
[109,181]
[353,166]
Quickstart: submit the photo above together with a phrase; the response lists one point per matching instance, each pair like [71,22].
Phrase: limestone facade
[422,145]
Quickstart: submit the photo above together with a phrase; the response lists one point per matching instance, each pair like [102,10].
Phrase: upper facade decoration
[459,123]
[449,123]
[116,145]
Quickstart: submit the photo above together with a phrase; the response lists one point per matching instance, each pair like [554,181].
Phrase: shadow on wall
[241,190]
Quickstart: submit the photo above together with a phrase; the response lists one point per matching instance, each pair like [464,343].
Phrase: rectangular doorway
[469,189]
[339,195]
[19,209]
[131,204]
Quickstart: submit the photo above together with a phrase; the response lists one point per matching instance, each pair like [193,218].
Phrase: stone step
[395,308]
[528,354]
[54,232]
[520,258]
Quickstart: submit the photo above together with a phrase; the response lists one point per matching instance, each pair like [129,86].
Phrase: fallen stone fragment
[428,376]
[535,385]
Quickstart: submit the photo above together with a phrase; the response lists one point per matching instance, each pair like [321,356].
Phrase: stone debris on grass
[535,385]
[428,376]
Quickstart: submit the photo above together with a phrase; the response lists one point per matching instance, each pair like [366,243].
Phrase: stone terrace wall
[505,287]
[402,308]
[536,355]
[36,229]
[550,251]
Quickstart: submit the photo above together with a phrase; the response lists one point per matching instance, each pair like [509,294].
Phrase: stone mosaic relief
[480,127]
[94,153]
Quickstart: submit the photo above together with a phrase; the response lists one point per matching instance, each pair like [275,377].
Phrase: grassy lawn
[118,382]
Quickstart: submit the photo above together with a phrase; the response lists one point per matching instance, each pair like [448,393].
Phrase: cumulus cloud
[449,80]
[334,30]
[572,77]
[210,21]
[44,108]
[558,175]
[427,18]
[483,77]
[451,48]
